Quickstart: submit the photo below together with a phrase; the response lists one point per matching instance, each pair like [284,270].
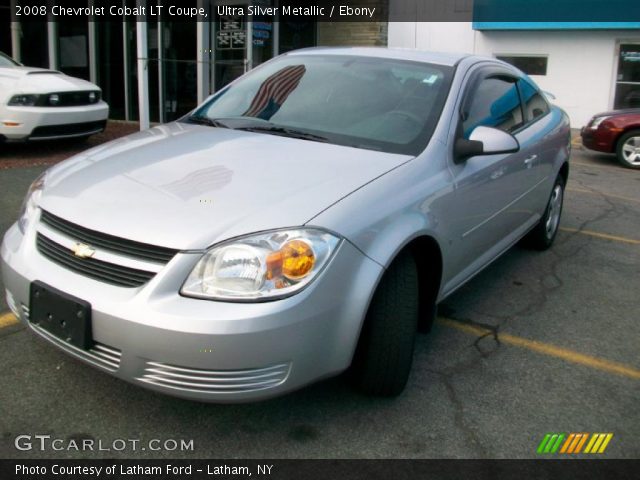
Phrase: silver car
[304,220]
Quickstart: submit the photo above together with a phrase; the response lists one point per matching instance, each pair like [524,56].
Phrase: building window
[531,65]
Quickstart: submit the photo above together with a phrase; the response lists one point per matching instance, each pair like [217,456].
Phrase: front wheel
[628,149]
[544,233]
[385,350]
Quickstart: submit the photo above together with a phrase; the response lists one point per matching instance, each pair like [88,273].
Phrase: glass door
[231,50]
[628,79]
[240,41]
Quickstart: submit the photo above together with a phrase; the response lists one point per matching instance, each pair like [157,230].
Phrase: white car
[40,104]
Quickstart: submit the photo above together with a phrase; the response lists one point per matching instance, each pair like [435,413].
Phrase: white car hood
[188,186]
[39,80]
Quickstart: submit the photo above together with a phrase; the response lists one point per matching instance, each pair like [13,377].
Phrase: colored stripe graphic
[604,445]
[543,443]
[556,445]
[581,443]
[550,443]
[572,443]
[568,442]
[598,442]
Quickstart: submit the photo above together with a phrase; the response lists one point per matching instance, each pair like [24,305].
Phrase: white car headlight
[30,203]
[262,266]
[23,100]
[595,123]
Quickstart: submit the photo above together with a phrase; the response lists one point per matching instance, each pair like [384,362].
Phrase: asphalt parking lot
[538,343]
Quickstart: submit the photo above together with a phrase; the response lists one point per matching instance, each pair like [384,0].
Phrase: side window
[495,102]
[534,103]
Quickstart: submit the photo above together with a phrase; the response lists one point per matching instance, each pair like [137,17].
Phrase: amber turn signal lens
[274,265]
[298,259]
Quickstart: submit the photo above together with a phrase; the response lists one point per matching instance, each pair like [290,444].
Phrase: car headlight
[23,100]
[262,266]
[31,201]
[595,123]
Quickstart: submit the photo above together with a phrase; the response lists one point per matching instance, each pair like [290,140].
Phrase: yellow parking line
[548,349]
[596,192]
[7,319]
[605,236]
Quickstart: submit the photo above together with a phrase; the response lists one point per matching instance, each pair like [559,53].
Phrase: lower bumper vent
[214,381]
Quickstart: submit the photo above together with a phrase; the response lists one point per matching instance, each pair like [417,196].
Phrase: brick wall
[352,34]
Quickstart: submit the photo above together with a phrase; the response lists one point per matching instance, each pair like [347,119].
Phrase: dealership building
[155,71]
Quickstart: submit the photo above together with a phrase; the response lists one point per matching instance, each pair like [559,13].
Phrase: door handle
[529,160]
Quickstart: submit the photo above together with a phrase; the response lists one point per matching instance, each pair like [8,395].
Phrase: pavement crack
[459,417]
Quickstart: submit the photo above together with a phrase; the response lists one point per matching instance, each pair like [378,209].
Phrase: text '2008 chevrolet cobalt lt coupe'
[302,221]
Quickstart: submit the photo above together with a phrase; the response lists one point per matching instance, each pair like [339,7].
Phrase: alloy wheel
[631,150]
[555,208]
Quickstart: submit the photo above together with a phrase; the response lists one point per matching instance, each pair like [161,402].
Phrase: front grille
[138,250]
[69,99]
[214,381]
[68,129]
[97,269]
[99,354]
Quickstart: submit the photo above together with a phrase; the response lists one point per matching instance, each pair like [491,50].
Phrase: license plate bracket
[64,316]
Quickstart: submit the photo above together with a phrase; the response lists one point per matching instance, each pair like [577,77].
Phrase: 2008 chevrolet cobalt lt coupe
[304,220]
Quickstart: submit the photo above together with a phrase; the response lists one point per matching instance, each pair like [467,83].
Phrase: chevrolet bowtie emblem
[82,250]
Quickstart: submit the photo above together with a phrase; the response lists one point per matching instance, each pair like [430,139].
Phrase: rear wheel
[385,350]
[544,233]
[628,149]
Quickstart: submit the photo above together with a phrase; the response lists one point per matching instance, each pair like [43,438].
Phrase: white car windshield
[6,61]
[364,102]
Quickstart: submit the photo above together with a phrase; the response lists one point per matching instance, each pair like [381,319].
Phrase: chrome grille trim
[100,355]
[97,269]
[100,254]
[109,355]
[215,381]
[11,303]
[142,251]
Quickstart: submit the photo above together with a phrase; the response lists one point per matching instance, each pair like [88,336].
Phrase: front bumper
[44,123]
[201,349]
[598,140]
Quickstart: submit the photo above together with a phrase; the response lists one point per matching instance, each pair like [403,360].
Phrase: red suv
[616,132]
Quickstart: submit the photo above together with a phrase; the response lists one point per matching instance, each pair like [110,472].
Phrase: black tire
[542,236]
[385,350]
[629,140]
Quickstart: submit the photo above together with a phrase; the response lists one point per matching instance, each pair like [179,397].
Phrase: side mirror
[485,141]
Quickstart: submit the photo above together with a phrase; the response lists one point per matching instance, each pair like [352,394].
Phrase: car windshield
[364,102]
[6,61]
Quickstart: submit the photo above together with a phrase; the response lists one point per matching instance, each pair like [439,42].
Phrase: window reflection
[274,91]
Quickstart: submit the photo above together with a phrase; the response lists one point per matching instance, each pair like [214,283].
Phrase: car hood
[39,80]
[188,186]
[626,111]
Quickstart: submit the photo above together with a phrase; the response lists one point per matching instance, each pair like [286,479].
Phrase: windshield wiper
[200,120]
[285,132]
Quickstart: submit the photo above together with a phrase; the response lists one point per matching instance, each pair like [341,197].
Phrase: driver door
[486,210]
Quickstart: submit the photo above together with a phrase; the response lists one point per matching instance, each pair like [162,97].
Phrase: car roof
[439,58]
